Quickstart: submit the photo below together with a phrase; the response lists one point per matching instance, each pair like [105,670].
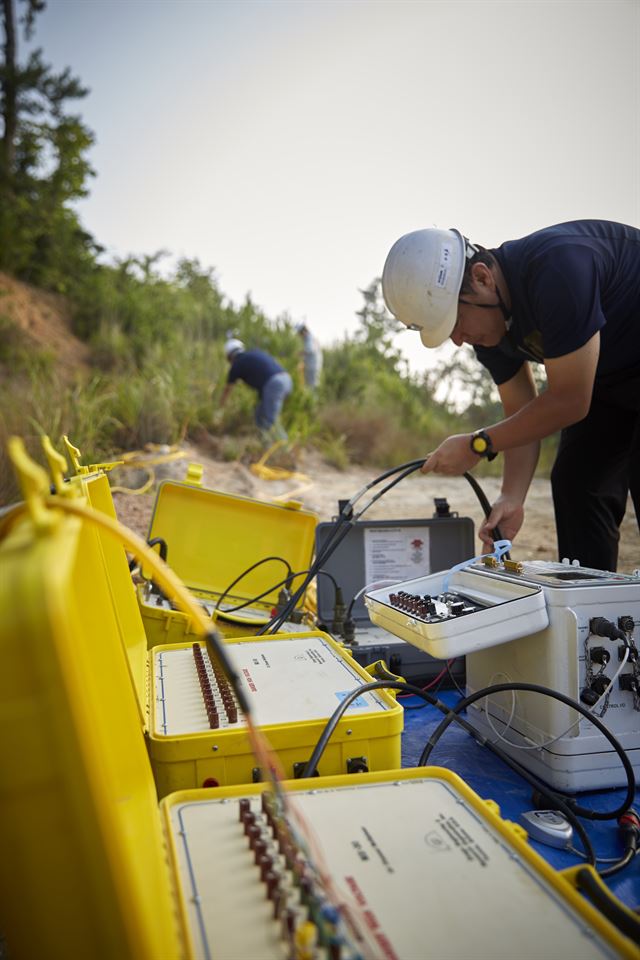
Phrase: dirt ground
[319,487]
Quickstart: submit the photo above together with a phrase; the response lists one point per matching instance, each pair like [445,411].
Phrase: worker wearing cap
[267,377]
[311,356]
[569,297]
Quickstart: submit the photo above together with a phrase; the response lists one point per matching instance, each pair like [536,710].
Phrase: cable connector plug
[283,599]
[545,800]
[349,630]
[629,826]
[339,611]
[601,627]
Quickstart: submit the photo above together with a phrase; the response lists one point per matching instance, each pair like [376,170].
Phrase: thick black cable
[409,469]
[452,716]
[324,573]
[550,795]
[410,465]
[337,536]
[608,905]
[346,516]
[265,593]
[244,574]
[623,862]
[339,533]
[336,716]
[281,583]
[486,506]
[555,695]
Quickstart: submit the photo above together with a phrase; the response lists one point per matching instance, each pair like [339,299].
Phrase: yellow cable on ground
[138,460]
[264,472]
[134,491]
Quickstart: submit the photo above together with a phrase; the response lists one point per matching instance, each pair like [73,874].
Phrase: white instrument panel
[287,680]
[452,614]
[422,870]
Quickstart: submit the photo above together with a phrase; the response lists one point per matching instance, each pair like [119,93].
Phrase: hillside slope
[43,320]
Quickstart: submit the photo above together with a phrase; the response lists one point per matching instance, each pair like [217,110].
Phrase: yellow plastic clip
[380,671]
[58,467]
[34,483]
[74,455]
[194,474]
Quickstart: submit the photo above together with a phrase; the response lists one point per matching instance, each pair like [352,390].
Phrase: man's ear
[482,276]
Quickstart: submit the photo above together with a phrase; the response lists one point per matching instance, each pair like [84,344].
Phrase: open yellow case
[211,539]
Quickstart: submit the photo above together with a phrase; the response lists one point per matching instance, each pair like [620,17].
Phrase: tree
[43,163]
[377,327]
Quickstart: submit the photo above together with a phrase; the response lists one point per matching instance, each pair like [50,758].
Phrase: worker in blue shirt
[568,297]
[267,377]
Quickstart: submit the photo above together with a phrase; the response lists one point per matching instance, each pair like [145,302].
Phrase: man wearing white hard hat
[260,371]
[568,297]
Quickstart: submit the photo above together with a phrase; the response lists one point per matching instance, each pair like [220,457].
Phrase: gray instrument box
[377,550]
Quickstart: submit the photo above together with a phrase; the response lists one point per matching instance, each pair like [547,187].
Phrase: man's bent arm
[565,401]
[225,393]
[519,462]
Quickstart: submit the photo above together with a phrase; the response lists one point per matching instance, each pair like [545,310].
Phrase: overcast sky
[288,143]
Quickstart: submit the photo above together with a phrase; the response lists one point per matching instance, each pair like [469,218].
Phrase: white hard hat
[421,281]
[232,346]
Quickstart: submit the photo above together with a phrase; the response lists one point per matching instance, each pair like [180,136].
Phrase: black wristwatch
[481,445]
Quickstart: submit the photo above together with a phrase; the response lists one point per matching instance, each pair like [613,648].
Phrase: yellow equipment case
[211,539]
[293,681]
[389,865]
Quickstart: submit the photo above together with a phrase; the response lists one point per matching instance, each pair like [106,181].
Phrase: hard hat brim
[435,337]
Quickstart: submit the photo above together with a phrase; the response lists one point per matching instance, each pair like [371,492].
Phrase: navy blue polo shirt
[567,282]
[255,367]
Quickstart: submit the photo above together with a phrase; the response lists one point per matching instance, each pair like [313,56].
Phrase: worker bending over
[267,377]
[567,296]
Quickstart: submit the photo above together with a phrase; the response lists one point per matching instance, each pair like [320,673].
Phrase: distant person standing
[311,357]
[267,377]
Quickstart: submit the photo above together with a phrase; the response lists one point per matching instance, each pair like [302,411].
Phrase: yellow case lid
[83,869]
[213,537]
[95,487]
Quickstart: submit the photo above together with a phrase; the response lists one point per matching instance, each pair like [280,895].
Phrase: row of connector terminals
[218,697]
[426,607]
[310,924]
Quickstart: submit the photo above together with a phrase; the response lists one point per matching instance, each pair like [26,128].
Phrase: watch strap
[482,446]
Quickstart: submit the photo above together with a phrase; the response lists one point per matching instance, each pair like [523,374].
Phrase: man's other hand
[506,513]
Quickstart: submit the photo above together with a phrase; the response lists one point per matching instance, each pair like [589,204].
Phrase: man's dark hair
[482,256]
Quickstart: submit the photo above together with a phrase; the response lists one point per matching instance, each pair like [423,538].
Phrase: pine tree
[43,164]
